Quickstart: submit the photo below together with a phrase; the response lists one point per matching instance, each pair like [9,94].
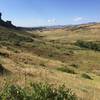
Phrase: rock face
[7,23]
[0,15]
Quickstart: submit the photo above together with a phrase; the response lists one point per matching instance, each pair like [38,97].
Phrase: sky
[30,13]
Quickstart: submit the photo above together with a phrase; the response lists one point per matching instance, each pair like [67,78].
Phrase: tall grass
[39,91]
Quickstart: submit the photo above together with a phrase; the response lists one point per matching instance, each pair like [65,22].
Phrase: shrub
[3,70]
[4,54]
[47,92]
[50,55]
[39,91]
[13,93]
[68,70]
[42,64]
[75,65]
[86,76]
[89,45]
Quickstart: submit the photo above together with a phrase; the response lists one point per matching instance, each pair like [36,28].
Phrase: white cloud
[52,20]
[78,19]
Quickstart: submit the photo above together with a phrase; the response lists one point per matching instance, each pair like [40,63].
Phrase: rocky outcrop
[6,23]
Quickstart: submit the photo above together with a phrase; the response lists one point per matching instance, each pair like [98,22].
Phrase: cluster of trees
[89,45]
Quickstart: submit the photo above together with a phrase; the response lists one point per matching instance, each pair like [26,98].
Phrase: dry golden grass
[38,60]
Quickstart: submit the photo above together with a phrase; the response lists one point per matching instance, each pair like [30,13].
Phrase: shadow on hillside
[4,71]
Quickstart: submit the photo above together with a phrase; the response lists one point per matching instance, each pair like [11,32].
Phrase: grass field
[51,56]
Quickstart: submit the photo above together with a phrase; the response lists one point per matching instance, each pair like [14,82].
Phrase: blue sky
[50,12]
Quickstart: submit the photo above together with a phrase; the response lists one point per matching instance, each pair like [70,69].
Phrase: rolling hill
[54,56]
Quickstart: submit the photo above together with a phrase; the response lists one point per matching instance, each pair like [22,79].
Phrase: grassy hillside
[52,56]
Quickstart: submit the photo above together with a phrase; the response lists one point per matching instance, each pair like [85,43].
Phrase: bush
[47,92]
[13,93]
[3,70]
[39,91]
[75,65]
[68,70]
[89,45]
[86,76]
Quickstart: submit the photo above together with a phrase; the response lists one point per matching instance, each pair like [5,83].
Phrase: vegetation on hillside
[67,56]
[39,91]
[89,45]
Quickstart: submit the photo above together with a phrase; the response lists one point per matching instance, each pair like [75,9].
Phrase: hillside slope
[52,56]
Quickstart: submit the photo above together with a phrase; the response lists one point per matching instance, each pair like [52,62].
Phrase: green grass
[89,45]
[39,91]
